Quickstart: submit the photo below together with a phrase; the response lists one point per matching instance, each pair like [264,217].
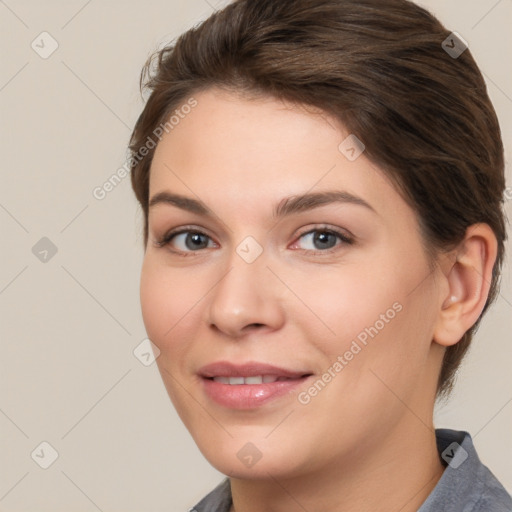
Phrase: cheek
[155,304]
[171,307]
[368,311]
[167,300]
[350,301]
[382,338]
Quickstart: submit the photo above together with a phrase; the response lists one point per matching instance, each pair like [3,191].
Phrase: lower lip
[249,396]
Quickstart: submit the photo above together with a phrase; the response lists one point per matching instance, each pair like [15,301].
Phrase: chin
[244,460]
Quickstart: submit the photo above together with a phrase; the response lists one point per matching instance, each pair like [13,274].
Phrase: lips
[247,370]
[249,385]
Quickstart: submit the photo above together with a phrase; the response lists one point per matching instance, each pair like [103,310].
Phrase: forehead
[260,150]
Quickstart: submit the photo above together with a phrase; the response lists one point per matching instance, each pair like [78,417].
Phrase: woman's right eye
[185,241]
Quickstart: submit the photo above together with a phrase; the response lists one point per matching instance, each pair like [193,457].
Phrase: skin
[365,442]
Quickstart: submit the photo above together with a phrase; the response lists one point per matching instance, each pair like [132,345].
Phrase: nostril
[255,325]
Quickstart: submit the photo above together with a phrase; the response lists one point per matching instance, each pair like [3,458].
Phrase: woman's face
[271,278]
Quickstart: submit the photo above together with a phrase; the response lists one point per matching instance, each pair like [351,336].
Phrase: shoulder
[493,496]
[219,500]
[467,485]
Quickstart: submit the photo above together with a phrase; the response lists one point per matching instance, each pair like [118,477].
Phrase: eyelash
[166,239]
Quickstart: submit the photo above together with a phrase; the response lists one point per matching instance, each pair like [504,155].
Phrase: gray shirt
[466,485]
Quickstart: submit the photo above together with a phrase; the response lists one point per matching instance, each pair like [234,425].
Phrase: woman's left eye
[323,240]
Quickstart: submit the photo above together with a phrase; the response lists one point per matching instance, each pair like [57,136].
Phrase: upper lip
[227,369]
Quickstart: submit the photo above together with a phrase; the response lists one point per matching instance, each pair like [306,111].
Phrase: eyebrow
[286,207]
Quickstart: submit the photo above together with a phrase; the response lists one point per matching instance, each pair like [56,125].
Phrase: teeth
[253,380]
[256,379]
[222,380]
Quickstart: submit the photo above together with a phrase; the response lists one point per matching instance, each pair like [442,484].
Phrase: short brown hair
[378,67]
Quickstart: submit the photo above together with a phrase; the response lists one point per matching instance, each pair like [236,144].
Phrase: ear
[468,276]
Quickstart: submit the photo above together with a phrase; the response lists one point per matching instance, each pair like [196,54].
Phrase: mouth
[252,380]
[249,385]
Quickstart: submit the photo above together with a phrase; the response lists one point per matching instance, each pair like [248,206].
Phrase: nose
[248,297]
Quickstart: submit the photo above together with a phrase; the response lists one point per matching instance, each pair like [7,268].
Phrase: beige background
[69,325]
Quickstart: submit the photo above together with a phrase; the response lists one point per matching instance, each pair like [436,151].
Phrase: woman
[322,184]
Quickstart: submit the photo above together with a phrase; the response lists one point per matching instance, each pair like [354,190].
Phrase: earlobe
[468,277]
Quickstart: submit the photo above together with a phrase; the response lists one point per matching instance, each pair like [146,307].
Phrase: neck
[395,472]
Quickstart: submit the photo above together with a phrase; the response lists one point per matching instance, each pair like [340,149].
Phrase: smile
[256,379]
[249,385]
